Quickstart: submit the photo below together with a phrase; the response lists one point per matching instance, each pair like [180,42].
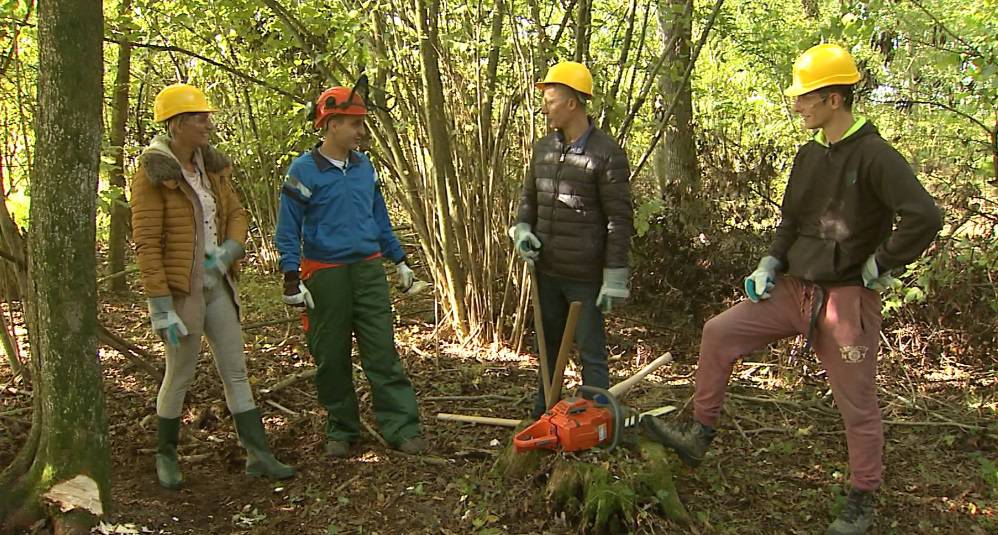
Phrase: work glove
[614,289]
[405,275]
[874,280]
[295,292]
[218,260]
[762,280]
[165,320]
[527,245]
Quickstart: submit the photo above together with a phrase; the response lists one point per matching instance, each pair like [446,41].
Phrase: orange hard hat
[338,100]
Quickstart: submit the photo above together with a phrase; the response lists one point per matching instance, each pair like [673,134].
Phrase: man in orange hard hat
[835,247]
[575,221]
[332,232]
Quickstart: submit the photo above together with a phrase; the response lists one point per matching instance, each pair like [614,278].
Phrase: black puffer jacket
[577,201]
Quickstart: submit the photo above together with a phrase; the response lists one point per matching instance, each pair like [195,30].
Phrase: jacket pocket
[813,259]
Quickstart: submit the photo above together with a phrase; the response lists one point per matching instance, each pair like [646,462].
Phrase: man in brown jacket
[575,221]
[836,244]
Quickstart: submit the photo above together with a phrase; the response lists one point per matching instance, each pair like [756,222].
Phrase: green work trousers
[353,300]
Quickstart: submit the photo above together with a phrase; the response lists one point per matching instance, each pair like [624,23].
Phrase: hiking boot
[413,446]
[689,440]
[260,462]
[857,515]
[337,448]
[167,465]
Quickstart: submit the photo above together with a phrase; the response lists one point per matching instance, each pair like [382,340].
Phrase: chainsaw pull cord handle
[615,409]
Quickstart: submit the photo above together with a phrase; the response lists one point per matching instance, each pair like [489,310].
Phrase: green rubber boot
[167,466]
[260,462]
[857,516]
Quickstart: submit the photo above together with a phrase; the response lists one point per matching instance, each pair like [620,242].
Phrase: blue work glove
[614,289]
[218,260]
[525,242]
[874,280]
[165,320]
[762,280]
[405,275]
[295,292]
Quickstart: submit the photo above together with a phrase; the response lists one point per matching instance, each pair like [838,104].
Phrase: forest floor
[777,466]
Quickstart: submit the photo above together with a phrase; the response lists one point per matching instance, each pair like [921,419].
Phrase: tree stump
[603,491]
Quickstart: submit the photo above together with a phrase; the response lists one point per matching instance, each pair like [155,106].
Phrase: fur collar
[160,164]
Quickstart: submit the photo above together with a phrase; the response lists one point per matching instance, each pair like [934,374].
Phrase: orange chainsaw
[576,424]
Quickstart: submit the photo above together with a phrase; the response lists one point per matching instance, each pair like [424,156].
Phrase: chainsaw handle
[536,436]
[615,408]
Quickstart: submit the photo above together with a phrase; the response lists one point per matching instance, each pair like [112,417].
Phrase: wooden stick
[620,389]
[288,381]
[504,422]
[535,295]
[567,339]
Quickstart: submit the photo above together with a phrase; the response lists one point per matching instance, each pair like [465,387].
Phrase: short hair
[845,91]
[570,92]
[178,120]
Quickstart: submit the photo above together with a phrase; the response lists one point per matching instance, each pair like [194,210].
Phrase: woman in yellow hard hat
[853,212]
[189,227]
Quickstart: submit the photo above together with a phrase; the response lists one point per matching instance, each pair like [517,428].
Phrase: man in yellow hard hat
[575,221]
[853,212]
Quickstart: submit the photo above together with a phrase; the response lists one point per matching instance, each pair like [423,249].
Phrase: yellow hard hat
[570,73]
[821,66]
[179,98]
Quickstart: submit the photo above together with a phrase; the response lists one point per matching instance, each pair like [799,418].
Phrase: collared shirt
[579,145]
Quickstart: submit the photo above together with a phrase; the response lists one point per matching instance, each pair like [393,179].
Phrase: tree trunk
[120,215]
[452,237]
[69,432]
[583,25]
[676,160]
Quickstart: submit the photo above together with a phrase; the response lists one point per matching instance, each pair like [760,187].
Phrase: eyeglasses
[808,100]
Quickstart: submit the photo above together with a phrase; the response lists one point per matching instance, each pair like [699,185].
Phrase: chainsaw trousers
[225,338]
[845,337]
[556,294]
[352,300]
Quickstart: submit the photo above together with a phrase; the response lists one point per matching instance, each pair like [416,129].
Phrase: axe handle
[620,389]
[504,422]
[535,296]
[567,339]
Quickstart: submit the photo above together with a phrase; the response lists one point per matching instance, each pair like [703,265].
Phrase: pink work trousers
[845,338]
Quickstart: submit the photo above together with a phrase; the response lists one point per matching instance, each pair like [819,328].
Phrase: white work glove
[165,320]
[762,280]
[295,292]
[874,280]
[218,260]
[525,242]
[614,289]
[405,275]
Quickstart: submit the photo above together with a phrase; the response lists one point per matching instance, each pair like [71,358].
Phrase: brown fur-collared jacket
[166,218]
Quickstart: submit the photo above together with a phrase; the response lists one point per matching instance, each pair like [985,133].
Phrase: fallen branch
[280,407]
[132,352]
[470,398]
[14,412]
[257,325]
[290,380]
